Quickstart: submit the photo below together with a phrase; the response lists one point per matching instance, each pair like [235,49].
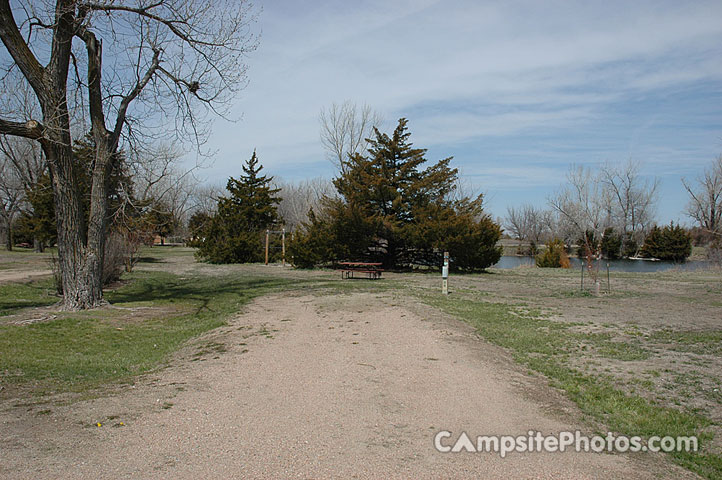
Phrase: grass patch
[701,342]
[16,296]
[81,350]
[625,351]
[545,346]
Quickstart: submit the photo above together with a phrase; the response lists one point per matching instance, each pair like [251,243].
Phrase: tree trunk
[80,266]
[9,236]
[80,246]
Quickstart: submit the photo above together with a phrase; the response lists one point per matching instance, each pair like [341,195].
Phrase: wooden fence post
[267,247]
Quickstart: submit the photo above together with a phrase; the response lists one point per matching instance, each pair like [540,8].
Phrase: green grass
[15,296]
[155,313]
[625,351]
[546,346]
[81,350]
[709,342]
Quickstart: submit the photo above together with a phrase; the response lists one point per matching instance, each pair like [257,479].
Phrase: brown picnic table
[369,269]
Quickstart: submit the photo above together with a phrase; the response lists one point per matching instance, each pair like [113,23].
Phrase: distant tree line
[610,213]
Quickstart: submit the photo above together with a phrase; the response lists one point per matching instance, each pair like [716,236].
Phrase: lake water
[512,261]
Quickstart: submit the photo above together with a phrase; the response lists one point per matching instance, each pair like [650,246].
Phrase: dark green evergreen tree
[611,244]
[391,210]
[671,242]
[36,226]
[197,226]
[629,245]
[310,246]
[590,243]
[235,233]
[159,221]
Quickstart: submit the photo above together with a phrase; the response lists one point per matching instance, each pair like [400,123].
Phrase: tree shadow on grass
[203,293]
[151,260]
[17,296]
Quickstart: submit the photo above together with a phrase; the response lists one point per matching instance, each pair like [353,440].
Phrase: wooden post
[283,246]
[267,247]
[445,275]
[609,287]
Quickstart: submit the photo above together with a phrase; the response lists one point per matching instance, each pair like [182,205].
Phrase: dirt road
[345,386]
[9,276]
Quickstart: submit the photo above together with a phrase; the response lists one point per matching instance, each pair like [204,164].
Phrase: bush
[114,260]
[714,253]
[555,256]
[669,243]
[308,246]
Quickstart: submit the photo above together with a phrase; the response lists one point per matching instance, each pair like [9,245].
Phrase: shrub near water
[555,256]
[669,243]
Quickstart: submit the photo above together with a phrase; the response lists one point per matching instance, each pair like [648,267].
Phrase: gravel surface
[343,386]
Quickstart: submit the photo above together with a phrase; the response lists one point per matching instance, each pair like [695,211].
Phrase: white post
[445,275]
[283,246]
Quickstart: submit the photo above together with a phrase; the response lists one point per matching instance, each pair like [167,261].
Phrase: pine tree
[39,225]
[234,234]
[391,210]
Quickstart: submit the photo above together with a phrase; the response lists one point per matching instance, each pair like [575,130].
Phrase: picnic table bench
[371,270]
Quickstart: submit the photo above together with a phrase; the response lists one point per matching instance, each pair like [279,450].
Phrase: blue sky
[515,91]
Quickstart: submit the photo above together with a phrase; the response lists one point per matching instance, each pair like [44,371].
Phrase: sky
[516,92]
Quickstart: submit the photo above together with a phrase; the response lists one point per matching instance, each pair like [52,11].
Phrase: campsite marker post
[283,246]
[445,275]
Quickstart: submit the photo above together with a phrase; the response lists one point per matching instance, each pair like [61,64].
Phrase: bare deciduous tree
[529,223]
[580,201]
[161,184]
[12,196]
[25,158]
[205,198]
[297,199]
[344,129]
[580,204]
[705,199]
[166,61]
[515,223]
[629,200]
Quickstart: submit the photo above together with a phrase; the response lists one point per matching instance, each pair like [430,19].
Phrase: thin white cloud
[465,72]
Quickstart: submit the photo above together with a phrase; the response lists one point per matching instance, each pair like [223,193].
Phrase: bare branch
[705,199]
[31,129]
[344,130]
[19,50]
